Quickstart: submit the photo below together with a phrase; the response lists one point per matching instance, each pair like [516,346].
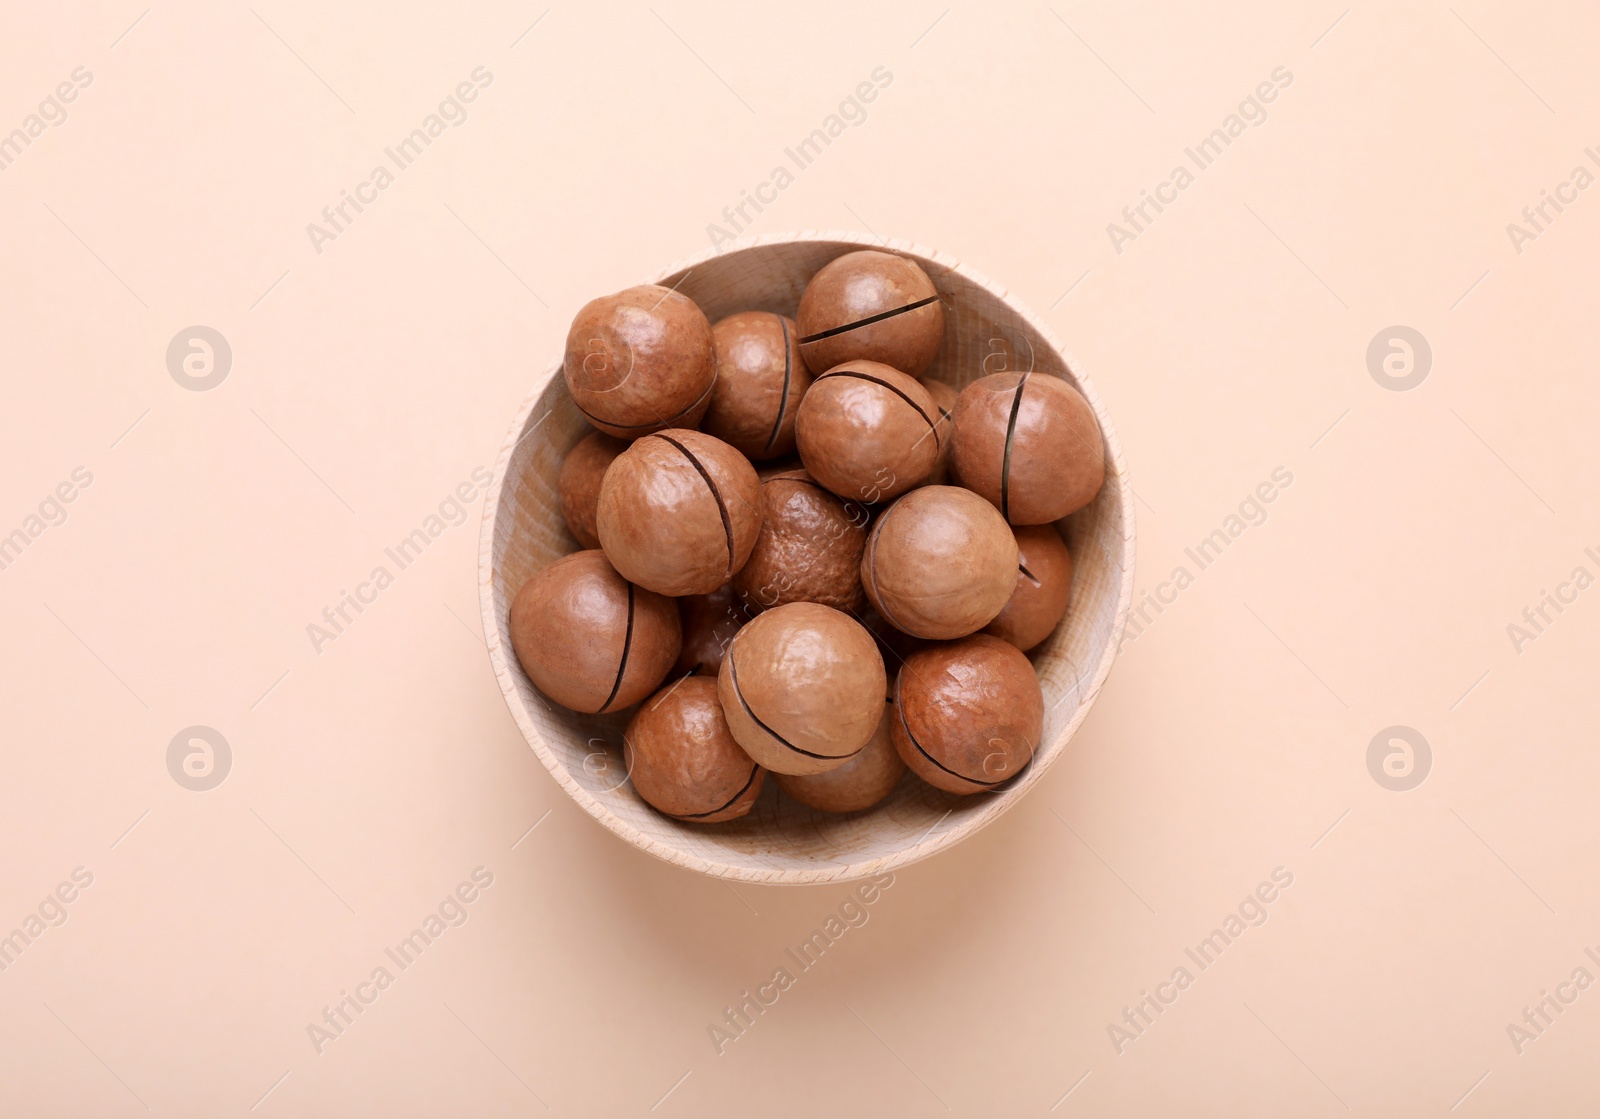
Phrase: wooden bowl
[782,841]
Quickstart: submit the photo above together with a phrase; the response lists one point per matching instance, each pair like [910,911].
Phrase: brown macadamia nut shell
[873,306]
[809,549]
[868,432]
[944,397]
[1029,444]
[683,761]
[969,714]
[709,623]
[578,485]
[859,783]
[588,638]
[802,686]
[679,512]
[760,380]
[639,361]
[1044,584]
[940,563]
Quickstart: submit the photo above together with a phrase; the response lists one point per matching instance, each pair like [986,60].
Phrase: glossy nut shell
[868,432]
[1044,583]
[760,380]
[639,361]
[679,512]
[802,686]
[870,305]
[969,714]
[944,397]
[588,638]
[579,483]
[859,783]
[1029,443]
[682,760]
[940,563]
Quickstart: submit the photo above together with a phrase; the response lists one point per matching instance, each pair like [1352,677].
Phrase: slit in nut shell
[870,305]
[969,714]
[679,512]
[1028,443]
[868,432]
[588,638]
[802,686]
[859,783]
[683,761]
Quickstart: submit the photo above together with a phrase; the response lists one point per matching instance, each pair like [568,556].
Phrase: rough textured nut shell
[679,512]
[802,687]
[809,549]
[874,306]
[640,361]
[579,483]
[940,563]
[1029,443]
[588,638]
[859,783]
[760,380]
[970,713]
[868,432]
[682,760]
[709,623]
[1044,583]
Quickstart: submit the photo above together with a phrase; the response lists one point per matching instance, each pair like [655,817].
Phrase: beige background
[369,380]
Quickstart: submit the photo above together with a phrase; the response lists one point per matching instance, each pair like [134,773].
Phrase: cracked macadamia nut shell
[679,512]
[944,397]
[682,760]
[868,432]
[588,638]
[640,361]
[802,687]
[859,783]
[940,563]
[874,306]
[969,714]
[709,623]
[1029,443]
[760,380]
[1044,584]
[809,549]
[579,483]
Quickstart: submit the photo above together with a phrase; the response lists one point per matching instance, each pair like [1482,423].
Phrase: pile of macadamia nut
[834,618]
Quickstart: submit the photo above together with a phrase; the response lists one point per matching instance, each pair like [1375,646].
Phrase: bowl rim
[506,670]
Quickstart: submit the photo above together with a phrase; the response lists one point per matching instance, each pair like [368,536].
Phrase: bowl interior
[781,840]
